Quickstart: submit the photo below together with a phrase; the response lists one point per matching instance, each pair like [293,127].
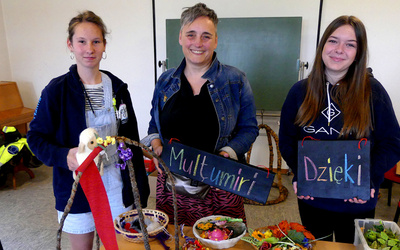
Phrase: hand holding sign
[302,197]
[334,169]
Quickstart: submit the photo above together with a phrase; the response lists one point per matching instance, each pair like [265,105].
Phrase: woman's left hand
[359,201]
[224,154]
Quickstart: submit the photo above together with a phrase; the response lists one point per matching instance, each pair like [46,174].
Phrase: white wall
[35,32]
[382,21]
[5,70]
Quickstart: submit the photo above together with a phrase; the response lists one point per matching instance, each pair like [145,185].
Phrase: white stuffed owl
[87,142]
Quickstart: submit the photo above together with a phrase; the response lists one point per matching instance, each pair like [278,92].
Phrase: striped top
[95,94]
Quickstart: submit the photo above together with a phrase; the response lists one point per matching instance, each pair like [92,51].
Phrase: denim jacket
[233,100]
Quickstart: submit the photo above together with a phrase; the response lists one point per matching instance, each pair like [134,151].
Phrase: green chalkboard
[266,49]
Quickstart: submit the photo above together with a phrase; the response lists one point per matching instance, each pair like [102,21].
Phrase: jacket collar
[116,82]
[210,75]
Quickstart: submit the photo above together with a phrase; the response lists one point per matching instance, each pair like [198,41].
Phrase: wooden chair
[12,110]
[13,113]
[273,143]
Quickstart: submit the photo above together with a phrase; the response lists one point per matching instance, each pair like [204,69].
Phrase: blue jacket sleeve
[246,129]
[41,136]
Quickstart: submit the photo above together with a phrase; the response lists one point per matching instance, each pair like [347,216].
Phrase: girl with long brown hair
[340,100]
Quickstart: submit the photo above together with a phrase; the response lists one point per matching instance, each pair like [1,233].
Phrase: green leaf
[384,236]
[370,235]
[272,240]
[297,237]
[379,228]
[381,241]
[251,240]
[392,243]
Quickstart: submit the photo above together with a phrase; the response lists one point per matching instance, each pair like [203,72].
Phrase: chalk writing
[238,178]
[334,174]
[333,169]
[216,177]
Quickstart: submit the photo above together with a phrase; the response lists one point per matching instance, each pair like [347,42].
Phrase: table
[241,245]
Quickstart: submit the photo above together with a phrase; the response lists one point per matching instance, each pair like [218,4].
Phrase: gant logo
[334,112]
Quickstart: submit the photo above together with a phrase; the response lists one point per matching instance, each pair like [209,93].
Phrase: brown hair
[86,16]
[353,94]
[191,13]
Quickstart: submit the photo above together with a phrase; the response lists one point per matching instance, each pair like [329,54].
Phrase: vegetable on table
[383,238]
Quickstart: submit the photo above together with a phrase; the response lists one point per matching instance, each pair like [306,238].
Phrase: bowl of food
[128,224]
[218,231]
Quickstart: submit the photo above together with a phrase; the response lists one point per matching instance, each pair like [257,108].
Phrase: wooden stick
[169,175]
[68,208]
[136,196]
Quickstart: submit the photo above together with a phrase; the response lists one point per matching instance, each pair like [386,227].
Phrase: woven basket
[130,216]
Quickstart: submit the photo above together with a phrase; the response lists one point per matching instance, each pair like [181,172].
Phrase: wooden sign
[242,179]
[334,169]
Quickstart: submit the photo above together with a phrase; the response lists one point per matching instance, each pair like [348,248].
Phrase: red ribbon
[264,167]
[310,137]
[173,139]
[95,192]
[362,139]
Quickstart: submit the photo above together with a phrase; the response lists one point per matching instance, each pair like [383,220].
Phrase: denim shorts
[83,223]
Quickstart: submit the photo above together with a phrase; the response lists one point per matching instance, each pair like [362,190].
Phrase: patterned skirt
[217,202]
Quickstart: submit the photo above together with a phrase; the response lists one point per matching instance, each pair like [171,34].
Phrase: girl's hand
[71,159]
[301,197]
[359,201]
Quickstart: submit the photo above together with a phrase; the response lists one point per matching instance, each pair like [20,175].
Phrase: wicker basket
[130,216]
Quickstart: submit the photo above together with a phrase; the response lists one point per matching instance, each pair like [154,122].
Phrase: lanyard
[87,98]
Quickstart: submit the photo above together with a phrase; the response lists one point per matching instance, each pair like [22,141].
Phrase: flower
[104,143]
[125,154]
[258,235]
[298,227]
[99,140]
[193,245]
[309,235]
[284,235]
[205,226]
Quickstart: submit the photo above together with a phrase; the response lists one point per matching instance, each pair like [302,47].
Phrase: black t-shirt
[191,119]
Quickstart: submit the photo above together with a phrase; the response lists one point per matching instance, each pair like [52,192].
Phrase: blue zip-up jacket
[384,139]
[231,95]
[60,118]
